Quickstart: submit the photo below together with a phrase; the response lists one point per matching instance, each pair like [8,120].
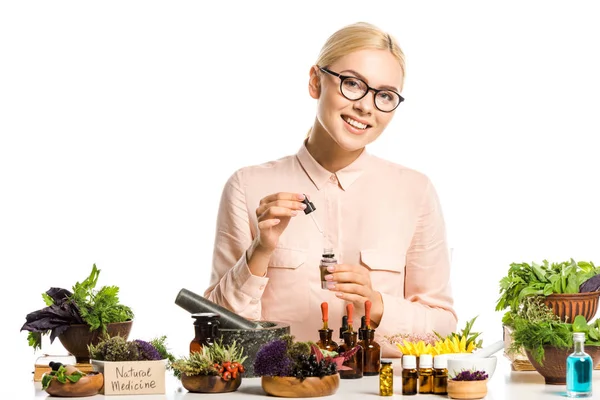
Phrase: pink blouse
[374,213]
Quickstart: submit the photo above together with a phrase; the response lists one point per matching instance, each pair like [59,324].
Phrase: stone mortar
[253,339]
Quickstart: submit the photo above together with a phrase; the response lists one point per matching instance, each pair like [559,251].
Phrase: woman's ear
[314,82]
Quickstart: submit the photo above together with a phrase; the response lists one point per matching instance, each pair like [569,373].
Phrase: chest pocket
[387,270]
[286,297]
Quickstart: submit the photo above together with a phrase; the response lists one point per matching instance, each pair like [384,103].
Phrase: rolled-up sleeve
[427,304]
[232,285]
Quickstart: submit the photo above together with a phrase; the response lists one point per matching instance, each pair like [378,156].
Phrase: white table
[504,385]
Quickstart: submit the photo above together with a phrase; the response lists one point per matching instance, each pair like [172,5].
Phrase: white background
[121,121]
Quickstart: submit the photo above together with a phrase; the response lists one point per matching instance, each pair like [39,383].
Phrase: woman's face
[354,124]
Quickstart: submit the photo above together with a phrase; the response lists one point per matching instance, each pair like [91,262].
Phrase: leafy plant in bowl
[467,384]
[80,317]
[548,341]
[68,381]
[299,369]
[569,287]
[215,369]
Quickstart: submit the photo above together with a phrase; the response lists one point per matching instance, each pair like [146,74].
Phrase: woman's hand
[353,284]
[274,213]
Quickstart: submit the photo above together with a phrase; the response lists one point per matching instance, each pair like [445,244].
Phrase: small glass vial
[325,342]
[206,328]
[410,375]
[386,378]
[579,369]
[327,259]
[425,374]
[372,352]
[440,375]
[356,361]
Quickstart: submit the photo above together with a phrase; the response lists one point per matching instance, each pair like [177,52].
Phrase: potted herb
[467,384]
[548,341]
[570,288]
[299,369]
[131,367]
[215,369]
[79,317]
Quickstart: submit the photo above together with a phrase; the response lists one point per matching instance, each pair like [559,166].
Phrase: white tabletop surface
[504,385]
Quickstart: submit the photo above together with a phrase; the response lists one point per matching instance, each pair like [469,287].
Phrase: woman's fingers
[268,223]
[289,204]
[281,196]
[277,212]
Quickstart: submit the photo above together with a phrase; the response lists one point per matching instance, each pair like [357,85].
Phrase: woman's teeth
[354,123]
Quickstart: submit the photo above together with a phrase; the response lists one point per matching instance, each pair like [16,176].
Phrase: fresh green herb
[217,359]
[535,326]
[61,376]
[82,306]
[102,307]
[525,280]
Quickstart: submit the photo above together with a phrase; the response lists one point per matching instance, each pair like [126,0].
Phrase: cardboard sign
[133,377]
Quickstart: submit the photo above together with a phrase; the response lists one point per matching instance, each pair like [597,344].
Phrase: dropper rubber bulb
[350,313]
[325,313]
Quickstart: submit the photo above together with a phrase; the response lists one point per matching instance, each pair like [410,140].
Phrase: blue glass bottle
[579,369]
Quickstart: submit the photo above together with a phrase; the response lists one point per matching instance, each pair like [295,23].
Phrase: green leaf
[46,379]
[61,378]
[75,377]
[580,324]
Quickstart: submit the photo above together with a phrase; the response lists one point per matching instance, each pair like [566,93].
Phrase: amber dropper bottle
[356,361]
[325,342]
[372,350]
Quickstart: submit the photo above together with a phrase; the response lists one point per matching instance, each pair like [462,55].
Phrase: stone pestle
[195,303]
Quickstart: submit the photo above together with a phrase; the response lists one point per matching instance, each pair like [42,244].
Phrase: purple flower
[147,351]
[272,360]
[466,375]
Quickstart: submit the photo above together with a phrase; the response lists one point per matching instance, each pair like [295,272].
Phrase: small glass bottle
[355,362]
[206,328]
[372,352]
[386,378]
[370,346]
[410,375]
[425,374]
[440,375]
[327,259]
[325,342]
[579,369]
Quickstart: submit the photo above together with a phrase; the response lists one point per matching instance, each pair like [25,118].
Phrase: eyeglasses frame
[369,88]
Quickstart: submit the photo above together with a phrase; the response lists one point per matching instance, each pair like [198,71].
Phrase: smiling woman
[383,220]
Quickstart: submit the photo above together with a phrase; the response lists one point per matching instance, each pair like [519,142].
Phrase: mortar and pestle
[250,335]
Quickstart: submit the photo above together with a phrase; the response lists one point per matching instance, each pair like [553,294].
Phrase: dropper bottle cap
[344,326]
[310,207]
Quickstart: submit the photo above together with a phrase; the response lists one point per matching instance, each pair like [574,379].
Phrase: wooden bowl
[87,385]
[209,383]
[554,368]
[288,386]
[467,389]
[569,305]
[78,336]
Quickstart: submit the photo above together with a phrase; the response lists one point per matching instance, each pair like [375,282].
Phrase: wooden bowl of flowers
[299,369]
[214,369]
[468,385]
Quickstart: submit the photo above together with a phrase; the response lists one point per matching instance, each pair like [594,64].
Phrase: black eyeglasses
[354,89]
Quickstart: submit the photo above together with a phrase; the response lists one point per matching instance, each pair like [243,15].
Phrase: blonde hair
[359,36]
